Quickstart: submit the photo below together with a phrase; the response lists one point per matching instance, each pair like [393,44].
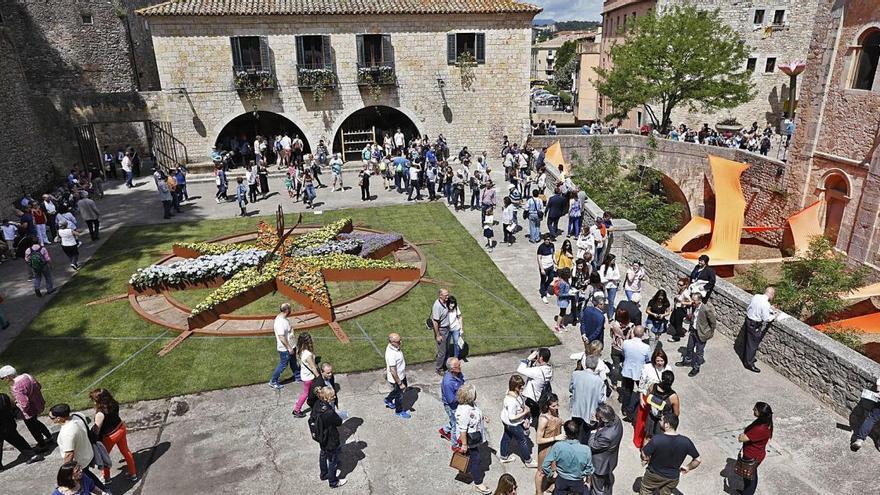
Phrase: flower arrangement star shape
[297,266]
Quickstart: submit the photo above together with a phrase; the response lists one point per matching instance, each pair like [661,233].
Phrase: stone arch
[865,59]
[409,115]
[308,138]
[835,191]
[675,195]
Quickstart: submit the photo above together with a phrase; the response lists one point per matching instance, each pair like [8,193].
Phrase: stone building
[836,152]
[585,103]
[544,53]
[344,71]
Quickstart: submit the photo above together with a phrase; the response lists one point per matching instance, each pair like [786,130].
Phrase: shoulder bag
[745,468]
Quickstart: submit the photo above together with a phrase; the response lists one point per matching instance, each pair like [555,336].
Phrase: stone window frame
[854,54]
[775,65]
[479,46]
[754,14]
[86,15]
[753,61]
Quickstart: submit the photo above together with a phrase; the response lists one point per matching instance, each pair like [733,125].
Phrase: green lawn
[69,345]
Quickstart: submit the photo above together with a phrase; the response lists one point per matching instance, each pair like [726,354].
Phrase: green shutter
[450,49]
[265,62]
[326,52]
[387,50]
[481,48]
[236,52]
[359,40]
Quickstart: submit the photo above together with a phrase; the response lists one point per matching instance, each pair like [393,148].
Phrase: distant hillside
[577,25]
[542,22]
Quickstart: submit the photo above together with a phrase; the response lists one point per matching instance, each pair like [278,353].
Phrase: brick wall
[194,53]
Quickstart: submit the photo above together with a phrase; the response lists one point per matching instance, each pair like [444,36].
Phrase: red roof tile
[334,7]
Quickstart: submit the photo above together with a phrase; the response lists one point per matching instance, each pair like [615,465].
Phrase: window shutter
[450,49]
[387,50]
[359,39]
[300,53]
[481,48]
[236,52]
[327,54]
[265,63]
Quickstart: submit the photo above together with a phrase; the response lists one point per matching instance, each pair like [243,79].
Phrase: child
[288,183]
[241,195]
[488,231]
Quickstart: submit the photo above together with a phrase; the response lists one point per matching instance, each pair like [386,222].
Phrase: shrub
[847,336]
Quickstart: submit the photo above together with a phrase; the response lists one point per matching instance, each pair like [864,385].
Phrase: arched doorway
[369,125]
[836,198]
[247,126]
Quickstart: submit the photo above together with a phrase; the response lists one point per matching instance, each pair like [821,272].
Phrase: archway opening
[239,134]
[370,125]
[836,197]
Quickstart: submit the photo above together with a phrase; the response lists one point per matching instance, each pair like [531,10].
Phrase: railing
[256,77]
[380,75]
[313,75]
[168,150]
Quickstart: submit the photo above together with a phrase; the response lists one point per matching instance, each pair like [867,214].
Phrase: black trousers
[676,322]
[12,436]
[755,331]
[38,430]
[94,228]
[365,191]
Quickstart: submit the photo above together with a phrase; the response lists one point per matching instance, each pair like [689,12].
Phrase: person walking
[569,462]
[487,199]
[611,278]
[871,419]
[471,432]
[69,244]
[759,315]
[364,183]
[9,432]
[222,184]
[652,373]
[514,417]
[28,395]
[593,319]
[508,221]
[89,211]
[587,392]
[285,347]
[605,445]
[703,278]
[564,297]
[336,172]
[308,370]
[636,353]
[632,283]
[537,370]
[71,481]
[754,440]
[574,216]
[664,455]
[308,186]
[549,432]
[165,196]
[535,211]
[111,430]
[556,206]
[73,439]
[456,328]
[546,266]
[325,379]
[395,371]
[263,175]
[449,386]
[328,422]
[40,263]
[127,169]
[240,196]
[702,329]
[440,326]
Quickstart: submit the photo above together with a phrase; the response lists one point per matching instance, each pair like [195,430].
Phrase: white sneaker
[506,459]
[531,464]
[544,299]
[857,444]
[340,482]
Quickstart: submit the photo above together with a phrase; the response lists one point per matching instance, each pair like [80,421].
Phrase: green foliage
[754,280]
[565,97]
[565,64]
[576,25]
[684,57]
[543,36]
[810,283]
[627,190]
[847,336]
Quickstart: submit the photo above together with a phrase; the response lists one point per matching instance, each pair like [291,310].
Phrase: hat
[7,371]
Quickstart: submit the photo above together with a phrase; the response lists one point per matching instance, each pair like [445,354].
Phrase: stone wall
[832,372]
[687,165]
[194,53]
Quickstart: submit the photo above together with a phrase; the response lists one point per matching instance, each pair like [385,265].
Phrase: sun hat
[7,371]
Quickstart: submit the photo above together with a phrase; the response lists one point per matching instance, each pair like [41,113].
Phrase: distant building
[585,101]
[544,53]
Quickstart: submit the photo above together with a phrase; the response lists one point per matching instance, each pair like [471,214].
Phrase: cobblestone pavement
[245,441]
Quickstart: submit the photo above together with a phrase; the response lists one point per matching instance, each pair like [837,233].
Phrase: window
[866,64]
[624,21]
[313,52]
[86,19]
[778,17]
[770,66]
[460,43]
[751,63]
[374,50]
[250,53]
[759,17]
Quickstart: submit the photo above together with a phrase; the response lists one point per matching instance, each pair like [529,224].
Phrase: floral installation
[192,270]
[375,77]
[319,80]
[208,247]
[240,283]
[346,246]
[372,243]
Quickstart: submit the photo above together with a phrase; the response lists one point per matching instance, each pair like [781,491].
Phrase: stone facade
[832,372]
[835,154]
[586,98]
[195,68]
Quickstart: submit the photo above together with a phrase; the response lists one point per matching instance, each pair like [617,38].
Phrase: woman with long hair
[506,485]
[112,430]
[455,325]
[754,440]
[565,256]
[514,417]
[658,310]
[611,278]
[71,481]
[549,432]
[679,313]
[563,297]
[620,330]
[660,399]
[652,373]
[308,370]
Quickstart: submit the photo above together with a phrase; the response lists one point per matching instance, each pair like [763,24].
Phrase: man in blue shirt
[401,170]
[452,381]
[556,207]
[573,462]
[593,319]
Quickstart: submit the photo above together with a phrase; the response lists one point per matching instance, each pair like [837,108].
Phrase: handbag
[459,461]
[745,467]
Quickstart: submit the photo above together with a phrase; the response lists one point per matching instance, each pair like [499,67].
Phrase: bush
[565,97]
[628,190]
[754,280]
[847,336]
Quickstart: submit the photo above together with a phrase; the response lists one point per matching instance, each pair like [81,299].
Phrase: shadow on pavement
[143,458]
[410,396]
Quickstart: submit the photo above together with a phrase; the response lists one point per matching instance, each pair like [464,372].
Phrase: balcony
[315,75]
[376,75]
[253,78]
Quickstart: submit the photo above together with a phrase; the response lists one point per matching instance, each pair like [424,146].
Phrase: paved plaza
[245,441]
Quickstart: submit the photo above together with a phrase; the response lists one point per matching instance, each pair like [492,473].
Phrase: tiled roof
[335,7]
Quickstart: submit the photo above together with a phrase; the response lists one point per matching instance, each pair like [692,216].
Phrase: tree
[565,64]
[627,190]
[810,283]
[685,56]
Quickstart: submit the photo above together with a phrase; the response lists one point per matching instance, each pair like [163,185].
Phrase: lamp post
[792,69]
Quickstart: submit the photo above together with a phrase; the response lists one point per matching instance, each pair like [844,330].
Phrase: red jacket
[28,395]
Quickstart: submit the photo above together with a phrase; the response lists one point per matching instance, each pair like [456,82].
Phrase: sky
[568,10]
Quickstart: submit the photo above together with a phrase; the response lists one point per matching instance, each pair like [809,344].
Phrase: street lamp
[792,69]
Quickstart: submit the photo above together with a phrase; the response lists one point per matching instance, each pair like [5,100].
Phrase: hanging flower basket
[251,84]
[466,64]
[318,80]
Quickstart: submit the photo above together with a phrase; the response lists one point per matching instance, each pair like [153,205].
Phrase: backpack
[556,286]
[37,262]
[316,426]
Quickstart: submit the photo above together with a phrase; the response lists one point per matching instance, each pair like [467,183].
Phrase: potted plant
[251,83]
[728,127]
[466,64]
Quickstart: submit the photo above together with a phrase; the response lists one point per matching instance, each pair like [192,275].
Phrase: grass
[69,346]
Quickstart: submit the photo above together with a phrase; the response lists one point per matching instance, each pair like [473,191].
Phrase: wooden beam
[340,333]
[174,343]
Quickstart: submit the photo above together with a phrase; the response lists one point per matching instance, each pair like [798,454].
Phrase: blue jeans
[45,273]
[474,464]
[451,425]
[517,434]
[534,227]
[456,347]
[128,177]
[612,295]
[329,463]
[574,226]
[868,425]
[284,358]
[396,396]
[656,325]
[553,226]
